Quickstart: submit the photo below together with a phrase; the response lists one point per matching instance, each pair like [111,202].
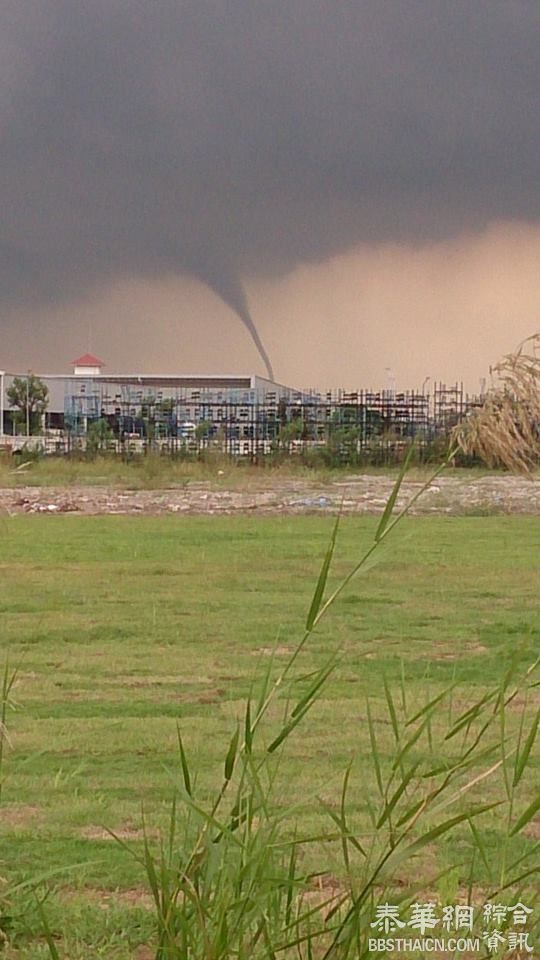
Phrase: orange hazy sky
[445,311]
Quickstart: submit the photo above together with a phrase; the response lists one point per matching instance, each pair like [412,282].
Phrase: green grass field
[121,627]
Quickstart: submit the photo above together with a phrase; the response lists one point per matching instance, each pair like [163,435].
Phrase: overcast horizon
[347,192]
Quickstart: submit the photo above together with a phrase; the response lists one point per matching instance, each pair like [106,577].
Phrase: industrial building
[168,410]
[239,415]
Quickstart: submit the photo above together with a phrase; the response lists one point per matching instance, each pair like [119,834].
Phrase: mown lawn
[123,627]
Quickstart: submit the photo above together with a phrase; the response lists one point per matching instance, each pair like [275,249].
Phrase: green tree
[99,437]
[203,430]
[293,430]
[31,397]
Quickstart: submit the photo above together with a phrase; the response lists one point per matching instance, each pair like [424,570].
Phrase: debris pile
[360,494]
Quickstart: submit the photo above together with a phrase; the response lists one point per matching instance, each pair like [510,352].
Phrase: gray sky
[295,149]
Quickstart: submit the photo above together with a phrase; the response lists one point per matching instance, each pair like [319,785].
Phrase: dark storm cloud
[225,137]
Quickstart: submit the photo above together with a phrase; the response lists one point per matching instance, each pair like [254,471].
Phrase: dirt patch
[325,893]
[144,953]
[280,651]
[19,815]
[210,696]
[361,494]
[132,897]
[127,833]
[123,681]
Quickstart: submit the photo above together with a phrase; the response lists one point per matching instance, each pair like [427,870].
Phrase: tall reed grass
[9,677]
[504,431]
[229,879]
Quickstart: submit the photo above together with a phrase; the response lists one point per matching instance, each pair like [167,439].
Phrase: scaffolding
[257,421]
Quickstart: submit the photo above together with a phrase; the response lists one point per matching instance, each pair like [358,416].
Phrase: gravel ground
[357,494]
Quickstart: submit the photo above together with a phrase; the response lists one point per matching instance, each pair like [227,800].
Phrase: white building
[87,366]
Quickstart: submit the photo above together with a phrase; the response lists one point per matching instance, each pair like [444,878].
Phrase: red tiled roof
[88,361]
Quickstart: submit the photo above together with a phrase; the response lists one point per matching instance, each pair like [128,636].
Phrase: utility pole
[28,404]
[391,382]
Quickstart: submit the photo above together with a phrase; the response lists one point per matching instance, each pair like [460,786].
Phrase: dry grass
[505,431]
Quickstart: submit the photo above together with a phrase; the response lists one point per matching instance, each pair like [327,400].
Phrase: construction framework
[249,420]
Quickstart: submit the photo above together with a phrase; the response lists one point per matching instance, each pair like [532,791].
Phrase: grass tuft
[504,430]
